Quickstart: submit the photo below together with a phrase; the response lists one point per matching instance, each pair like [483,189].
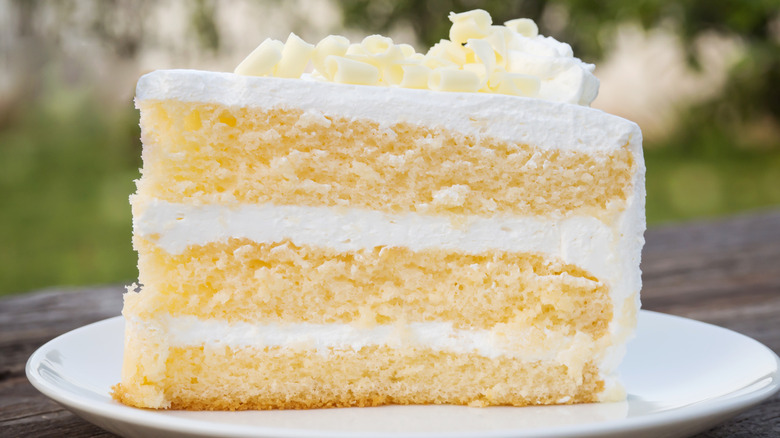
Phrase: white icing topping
[478,57]
[543,124]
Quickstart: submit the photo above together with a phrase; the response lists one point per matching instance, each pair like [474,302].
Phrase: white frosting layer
[544,124]
[530,344]
[563,78]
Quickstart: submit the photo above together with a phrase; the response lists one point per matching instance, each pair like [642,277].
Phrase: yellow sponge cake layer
[240,280]
[246,378]
[292,157]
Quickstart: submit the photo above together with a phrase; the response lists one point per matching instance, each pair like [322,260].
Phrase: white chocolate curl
[518,85]
[335,45]
[262,60]
[479,57]
[471,24]
[449,51]
[415,76]
[481,72]
[498,39]
[450,79]
[485,53]
[377,43]
[524,26]
[295,56]
[406,50]
[349,71]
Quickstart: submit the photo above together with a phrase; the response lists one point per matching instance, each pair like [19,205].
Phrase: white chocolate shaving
[335,45]
[356,49]
[392,74]
[485,53]
[349,71]
[518,85]
[415,76]
[463,31]
[479,57]
[436,62]
[479,16]
[524,26]
[262,60]
[385,57]
[450,79]
[471,24]
[449,51]
[498,41]
[295,56]
[495,78]
[407,50]
[416,57]
[376,43]
[478,69]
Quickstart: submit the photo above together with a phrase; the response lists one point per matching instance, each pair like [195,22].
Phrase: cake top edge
[478,57]
[546,124]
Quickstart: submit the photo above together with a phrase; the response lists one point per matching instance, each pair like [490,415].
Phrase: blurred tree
[751,92]
[428,19]
[590,26]
[118,25]
[203,19]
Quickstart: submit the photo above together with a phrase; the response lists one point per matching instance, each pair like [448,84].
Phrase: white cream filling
[544,124]
[347,229]
[528,344]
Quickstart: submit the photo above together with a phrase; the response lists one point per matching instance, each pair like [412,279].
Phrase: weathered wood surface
[724,272]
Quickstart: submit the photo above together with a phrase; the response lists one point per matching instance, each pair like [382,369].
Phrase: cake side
[308,244]
[466,113]
[208,260]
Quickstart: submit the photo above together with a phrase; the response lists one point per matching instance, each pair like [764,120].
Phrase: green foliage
[203,19]
[67,166]
[428,19]
[751,90]
[709,173]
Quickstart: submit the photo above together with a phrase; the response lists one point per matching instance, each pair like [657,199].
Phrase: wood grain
[26,323]
[725,272]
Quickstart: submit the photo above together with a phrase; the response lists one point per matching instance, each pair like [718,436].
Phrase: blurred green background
[700,77]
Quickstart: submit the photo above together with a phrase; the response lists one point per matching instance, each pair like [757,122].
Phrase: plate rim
[722,404]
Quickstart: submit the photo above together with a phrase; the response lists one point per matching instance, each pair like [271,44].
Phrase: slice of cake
[455,227]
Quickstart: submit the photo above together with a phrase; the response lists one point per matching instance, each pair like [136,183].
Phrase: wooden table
[725,272]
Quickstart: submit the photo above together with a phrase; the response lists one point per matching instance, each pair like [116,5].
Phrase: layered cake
[358,224]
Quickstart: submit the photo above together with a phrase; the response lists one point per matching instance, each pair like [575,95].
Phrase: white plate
[682,376]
